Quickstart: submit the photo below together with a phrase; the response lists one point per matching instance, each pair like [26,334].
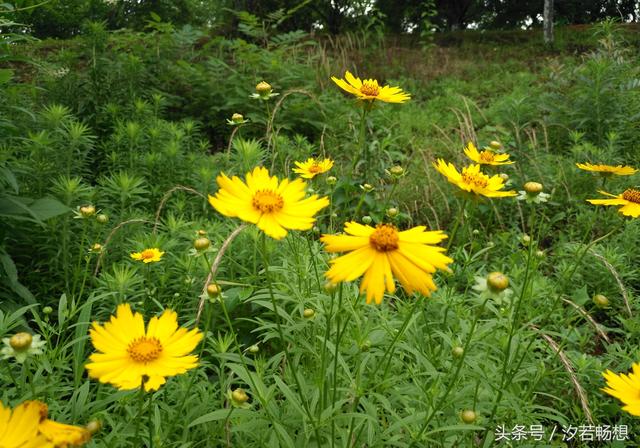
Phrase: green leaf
[47,208]
[221,414]
[5,75]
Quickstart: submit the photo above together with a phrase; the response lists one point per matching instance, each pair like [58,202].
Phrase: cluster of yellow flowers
[471,179]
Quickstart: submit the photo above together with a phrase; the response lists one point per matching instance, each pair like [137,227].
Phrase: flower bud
[331,180]
[97,247]
[533,188]
[253,349]
[367,188]
[476,232]
[308,313]
[21,341]
[263,88]
[392,212]
[504,176]
[102,218]
[497,281]
[202,244]
[495,145]
[366,219]
[329,287]
[47,310]
[526,239]
[468,416]
[316,229]
[366,345]
[202,232]
[94,426]
[540,254]
[237,118]
[457,351]
[396,170]
[213,289]
[239,396]
[87,211]
[601,301]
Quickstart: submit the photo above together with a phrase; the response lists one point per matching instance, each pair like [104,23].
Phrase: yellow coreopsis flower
[59,435]
[629,200]
[626,388]
[383,252]
[486,156]
[312,167]
[369,90]
[274,206]
[608,170]
[28,427]
[148,255]
[19,428]
[128,355]
[472,180]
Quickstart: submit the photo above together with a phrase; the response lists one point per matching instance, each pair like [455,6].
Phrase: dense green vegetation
[134,124]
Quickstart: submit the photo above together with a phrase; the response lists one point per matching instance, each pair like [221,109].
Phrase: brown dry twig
[584,402]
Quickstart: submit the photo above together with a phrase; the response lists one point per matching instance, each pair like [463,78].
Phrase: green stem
[140,409]
[284,342]
[455,375]
[459,219]
[313,262]
[150,420]
[504,380]
[323,353]
[76,272]
[361,143]
[388,354]
[335,363]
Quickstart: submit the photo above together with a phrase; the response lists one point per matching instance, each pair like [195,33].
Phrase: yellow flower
[19,429]
[629,199]
[59,435]
[274,206]
[127,354]
[312,167]
[626,388]
[378,252]
[148,255]
[28,427]
[474,181]
[607,170]
[369,90]
[486,157]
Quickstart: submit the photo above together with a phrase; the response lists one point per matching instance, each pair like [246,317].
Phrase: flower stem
[363,153]
[455,375]
[292,365]
[139,414]
[388,354]
[459,219]
[150,420]
[335,363]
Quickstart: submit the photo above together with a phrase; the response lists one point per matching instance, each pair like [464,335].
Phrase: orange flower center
[487,156]
[631,195]
[147,254]
[315,168]
[384,238]
[267,201]
[144,349]
[477,180]
[370,89]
